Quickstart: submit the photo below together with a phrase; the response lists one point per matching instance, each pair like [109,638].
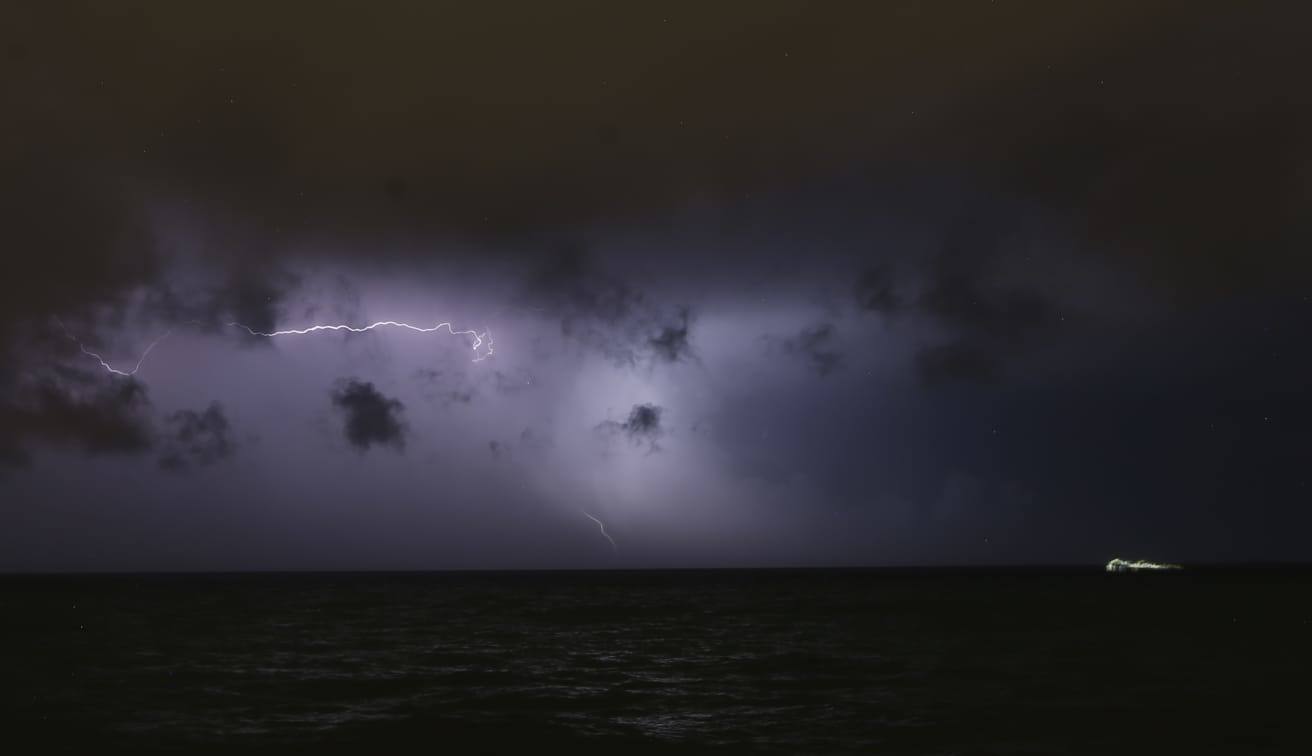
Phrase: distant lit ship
[1124,565]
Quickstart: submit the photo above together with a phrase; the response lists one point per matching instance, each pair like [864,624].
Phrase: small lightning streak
[601,525]
[480,340]
[101,360]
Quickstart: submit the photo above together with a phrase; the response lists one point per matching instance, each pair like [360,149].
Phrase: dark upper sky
[758,283]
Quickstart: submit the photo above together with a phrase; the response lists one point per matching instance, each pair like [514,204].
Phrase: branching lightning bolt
[601,525]
[101,360]
[480,340]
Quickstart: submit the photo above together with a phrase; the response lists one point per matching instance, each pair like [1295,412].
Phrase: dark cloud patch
[75,246]
[78,411]
[371,418]
[875,290]
[92,272]
[644,420]
[196,438]
[642,426]
[961,296]
[981,313]
[572,285]
[250,294]
[813,345]
[989,321]
[254,298]
[604,313]
[670,344]
[593,308]
[74,408]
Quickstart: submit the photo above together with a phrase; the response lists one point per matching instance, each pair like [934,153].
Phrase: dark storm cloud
[984,320]
[670,344]
[265,142]
[600,311]
[252,297]
[72,240]
[644,420]
[813,345]
[875,290]
[196,438]
[371,418]
[78,411]
[72,408]
[988,322]
[592,305]
[642,426]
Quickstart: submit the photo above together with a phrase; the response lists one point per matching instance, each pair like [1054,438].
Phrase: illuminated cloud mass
[769,284]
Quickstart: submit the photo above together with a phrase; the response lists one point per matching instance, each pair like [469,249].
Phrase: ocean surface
[770,661]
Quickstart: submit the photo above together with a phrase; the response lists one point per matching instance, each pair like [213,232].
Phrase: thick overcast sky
[744,283]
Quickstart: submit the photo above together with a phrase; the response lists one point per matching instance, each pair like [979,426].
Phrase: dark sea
[763,661]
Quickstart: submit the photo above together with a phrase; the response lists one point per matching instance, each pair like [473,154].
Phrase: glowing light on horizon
[479,340]
[602,526]
[1124,565]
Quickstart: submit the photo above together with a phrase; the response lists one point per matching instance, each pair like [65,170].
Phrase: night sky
[749,284]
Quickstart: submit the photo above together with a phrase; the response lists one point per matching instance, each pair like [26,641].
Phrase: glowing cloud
[1123,565]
